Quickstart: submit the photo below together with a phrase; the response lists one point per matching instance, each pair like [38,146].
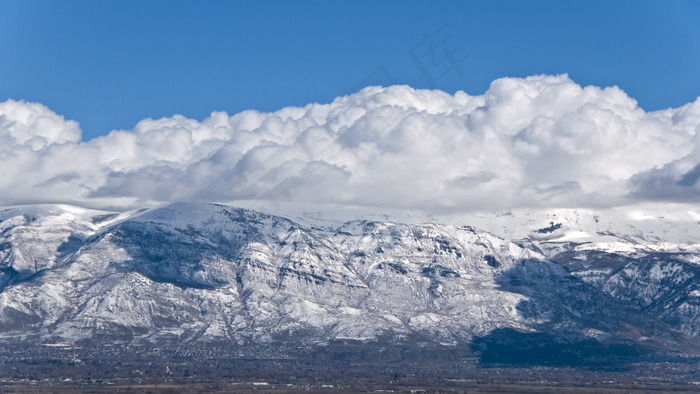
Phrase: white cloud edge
[540,141]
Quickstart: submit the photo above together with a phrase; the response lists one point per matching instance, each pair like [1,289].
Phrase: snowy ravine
[188,274]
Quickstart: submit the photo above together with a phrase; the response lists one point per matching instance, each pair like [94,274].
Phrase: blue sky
[109,64]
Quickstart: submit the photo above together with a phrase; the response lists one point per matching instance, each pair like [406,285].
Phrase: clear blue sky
[109,64]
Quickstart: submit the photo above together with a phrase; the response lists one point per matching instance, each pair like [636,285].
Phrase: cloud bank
[541,141]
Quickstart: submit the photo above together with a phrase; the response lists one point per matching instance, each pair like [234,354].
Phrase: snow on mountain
[200,273]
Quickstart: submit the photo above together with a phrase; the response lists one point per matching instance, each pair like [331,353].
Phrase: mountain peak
[201,273]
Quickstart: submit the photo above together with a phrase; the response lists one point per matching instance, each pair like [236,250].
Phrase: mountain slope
[206,273]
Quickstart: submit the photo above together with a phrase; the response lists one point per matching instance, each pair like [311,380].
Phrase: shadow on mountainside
[574,324]
[184,257]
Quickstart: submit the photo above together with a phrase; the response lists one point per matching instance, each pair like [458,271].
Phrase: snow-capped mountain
[208,273]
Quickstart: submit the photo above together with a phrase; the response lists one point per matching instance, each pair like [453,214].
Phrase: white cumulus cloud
[541,141]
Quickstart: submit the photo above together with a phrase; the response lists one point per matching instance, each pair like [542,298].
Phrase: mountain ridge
[209,273]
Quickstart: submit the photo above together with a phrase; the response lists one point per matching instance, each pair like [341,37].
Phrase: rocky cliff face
[205,273]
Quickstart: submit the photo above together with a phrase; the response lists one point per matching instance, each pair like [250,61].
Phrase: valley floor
[64,370]
[506,388]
